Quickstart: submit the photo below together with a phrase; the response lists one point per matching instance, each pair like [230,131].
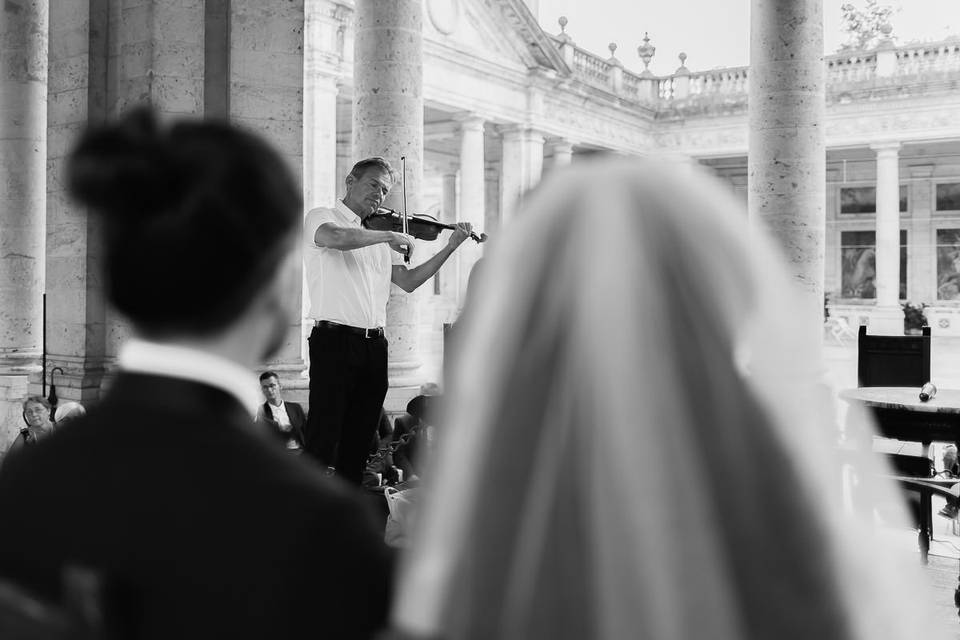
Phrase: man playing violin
[349,269]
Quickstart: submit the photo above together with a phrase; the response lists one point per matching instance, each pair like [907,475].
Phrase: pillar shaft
[388,122]
[266,96]
[888,229]
[521,168]
[562,153]
[472,192]
[319,116]
[76,304]
[787,155]
[449,213]
[23,124]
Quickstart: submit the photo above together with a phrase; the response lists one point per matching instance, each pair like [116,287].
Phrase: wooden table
[901,414]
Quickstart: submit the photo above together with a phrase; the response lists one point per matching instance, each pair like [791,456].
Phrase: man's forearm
[416,276]
[346,239]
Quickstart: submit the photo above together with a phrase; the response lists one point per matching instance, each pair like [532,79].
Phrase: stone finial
[886,42]
[683,67]
[613,55]
[563,36]
[646,51]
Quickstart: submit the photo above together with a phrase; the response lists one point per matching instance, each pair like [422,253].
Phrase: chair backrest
[893,361]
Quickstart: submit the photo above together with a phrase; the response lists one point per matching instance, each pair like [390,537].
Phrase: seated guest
[36,416]
[285,419]
[415,432]
[556,508]
[67,411]
[379,468]
[200,527]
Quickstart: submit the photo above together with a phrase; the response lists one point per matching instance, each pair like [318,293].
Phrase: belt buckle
[375,334]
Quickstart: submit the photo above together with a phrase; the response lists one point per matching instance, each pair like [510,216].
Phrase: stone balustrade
[847,71]
[591,68]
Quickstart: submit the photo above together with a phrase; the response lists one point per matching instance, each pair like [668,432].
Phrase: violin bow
[403,187]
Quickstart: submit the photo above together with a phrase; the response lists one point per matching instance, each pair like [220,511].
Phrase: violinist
[349,269]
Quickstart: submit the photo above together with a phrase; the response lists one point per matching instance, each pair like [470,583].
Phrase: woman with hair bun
[199,523]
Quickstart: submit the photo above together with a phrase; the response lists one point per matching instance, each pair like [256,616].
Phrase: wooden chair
[893,361]
[902,361]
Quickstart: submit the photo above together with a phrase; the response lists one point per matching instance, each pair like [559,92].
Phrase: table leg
[926,524]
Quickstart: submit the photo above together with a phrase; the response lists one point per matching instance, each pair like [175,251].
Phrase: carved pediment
[501,30]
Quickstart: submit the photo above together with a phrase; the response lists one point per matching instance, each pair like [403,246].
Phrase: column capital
[470,121]
[890,146]
[518,131]
[559,143]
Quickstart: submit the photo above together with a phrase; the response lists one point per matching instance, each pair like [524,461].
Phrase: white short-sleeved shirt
[348,287]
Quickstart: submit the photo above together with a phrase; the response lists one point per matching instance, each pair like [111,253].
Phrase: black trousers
[348,382]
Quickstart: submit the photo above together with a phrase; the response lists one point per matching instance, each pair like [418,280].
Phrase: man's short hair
[373,162]
[269,374]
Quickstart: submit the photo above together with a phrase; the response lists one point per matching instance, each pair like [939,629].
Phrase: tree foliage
[863,26]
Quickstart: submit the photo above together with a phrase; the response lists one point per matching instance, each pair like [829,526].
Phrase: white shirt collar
[176,361]
[347,211]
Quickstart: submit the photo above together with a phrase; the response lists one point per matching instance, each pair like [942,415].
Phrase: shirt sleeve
[313,220]
[395,257]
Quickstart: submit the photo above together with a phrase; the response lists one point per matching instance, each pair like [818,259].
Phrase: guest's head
[271,388]
[429,389]
[199,220]
[36,412]
[631,320]
[67,411]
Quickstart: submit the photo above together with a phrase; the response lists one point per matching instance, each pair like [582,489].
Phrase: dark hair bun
[123,171]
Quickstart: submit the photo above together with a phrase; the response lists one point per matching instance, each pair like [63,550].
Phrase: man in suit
[199,527]
[285,419]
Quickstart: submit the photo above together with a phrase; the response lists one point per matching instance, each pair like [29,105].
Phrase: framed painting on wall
[864,199]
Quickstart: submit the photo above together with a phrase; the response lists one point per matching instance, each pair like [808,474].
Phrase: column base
[13,389]
[886,321]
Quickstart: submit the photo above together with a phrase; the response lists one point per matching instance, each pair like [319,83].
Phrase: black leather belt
[376,332]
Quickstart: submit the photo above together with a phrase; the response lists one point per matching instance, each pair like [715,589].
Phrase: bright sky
[716,33]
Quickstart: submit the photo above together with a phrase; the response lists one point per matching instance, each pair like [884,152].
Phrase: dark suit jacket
[297,421]
[205,528]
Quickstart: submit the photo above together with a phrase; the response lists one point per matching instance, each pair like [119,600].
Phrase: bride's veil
[638,441]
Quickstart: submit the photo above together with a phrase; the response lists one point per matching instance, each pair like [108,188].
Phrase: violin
[419,225]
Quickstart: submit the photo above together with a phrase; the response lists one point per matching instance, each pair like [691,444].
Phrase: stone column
[887,318]
[76,305]
[450,274]
[159,46]
[787,153]
[320,89]
[521,166]
[388,122]
[472,192]
[319,139]
[345,161]
[23,134]
[922,241]
[562,153]
[266,96]
[156,55]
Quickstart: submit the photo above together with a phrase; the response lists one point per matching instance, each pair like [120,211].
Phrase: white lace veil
[637,441]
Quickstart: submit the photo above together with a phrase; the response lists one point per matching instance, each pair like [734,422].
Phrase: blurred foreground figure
[198,524]
[631,322]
